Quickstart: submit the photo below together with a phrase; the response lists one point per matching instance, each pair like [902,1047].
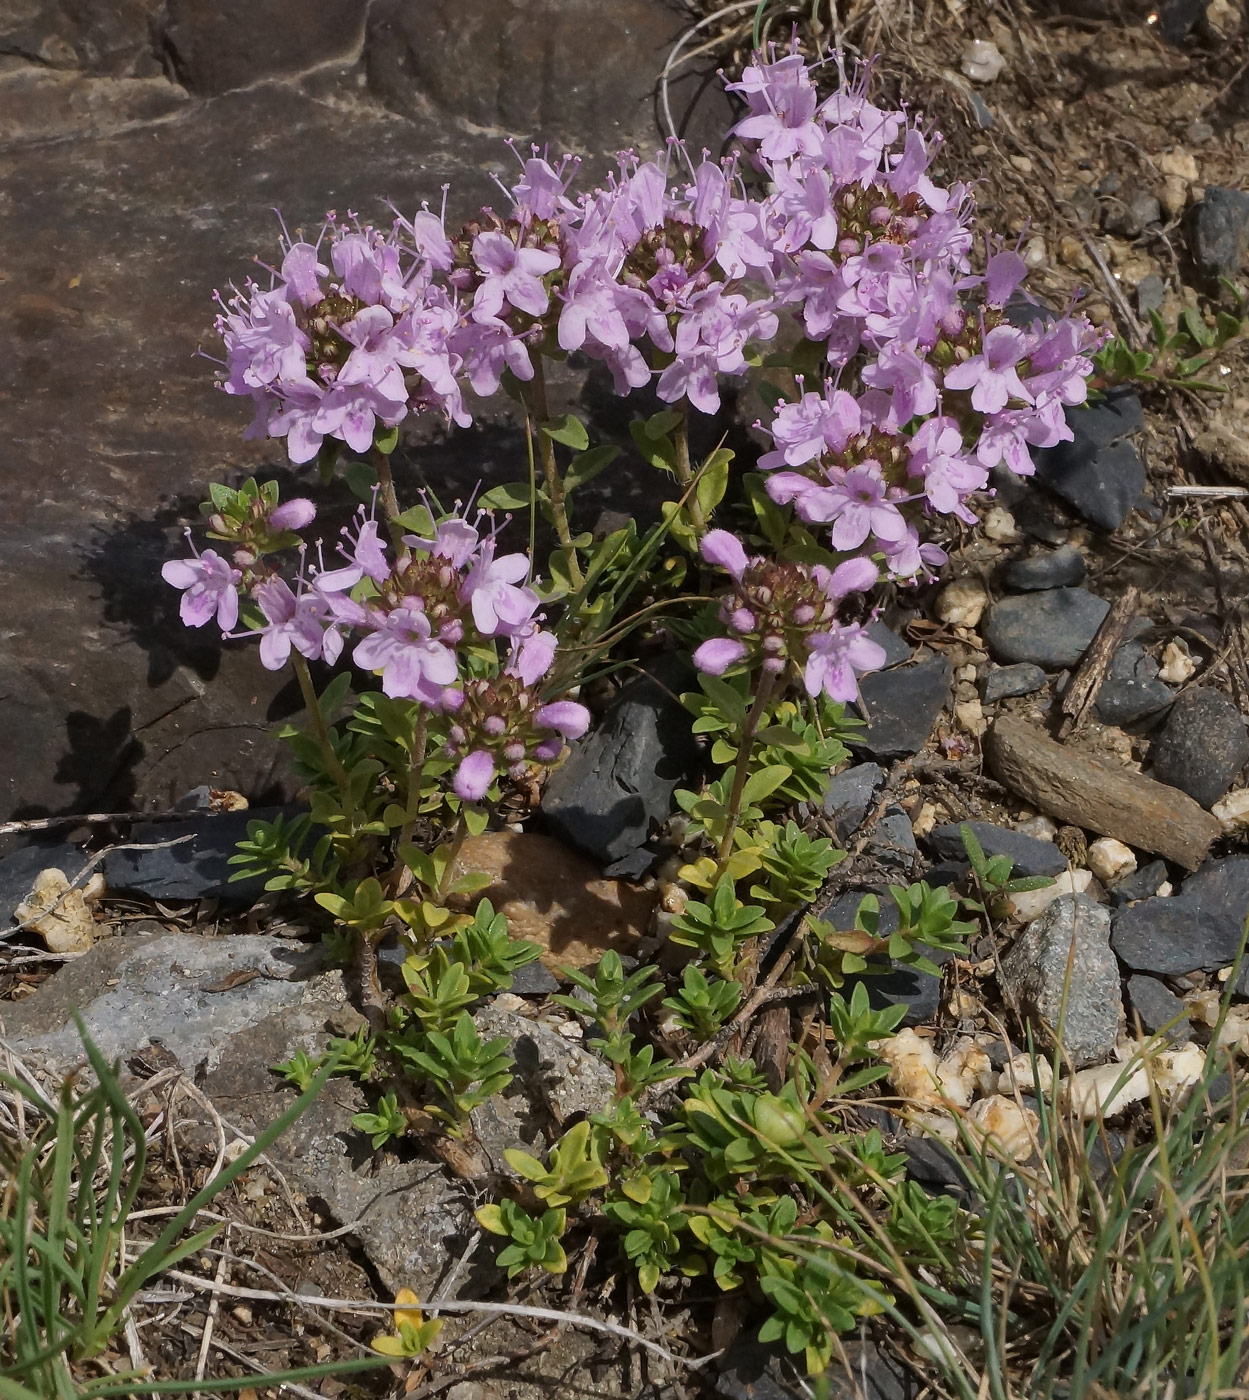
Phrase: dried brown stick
[1087,681]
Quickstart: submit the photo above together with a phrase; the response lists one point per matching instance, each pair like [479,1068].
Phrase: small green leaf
[569,430]
[512,495]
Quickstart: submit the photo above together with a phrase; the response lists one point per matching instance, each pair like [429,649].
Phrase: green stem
[457,845]
[333,764]
[741,771]
[550,471]
[402,875]
[390,502]
[685,475]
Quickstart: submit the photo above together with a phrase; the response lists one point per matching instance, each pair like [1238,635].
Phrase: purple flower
[718,654]
[209,587]
[992,376]
[474,775]
[837,659]
[511,274]
[499,607]
[294,514]
[858,508]
[294,621]
[725,551]
[413,665]
[1003,275]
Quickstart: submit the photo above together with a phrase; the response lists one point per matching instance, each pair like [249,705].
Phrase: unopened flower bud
[494,725]
[292,515]
[244,558]
[742,620]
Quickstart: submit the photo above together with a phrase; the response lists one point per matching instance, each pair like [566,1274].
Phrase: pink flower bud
[292,515]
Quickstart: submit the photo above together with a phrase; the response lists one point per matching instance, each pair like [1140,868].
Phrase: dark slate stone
[937,1168]
[1129,214]
[1202,746]
[1029,856]
[1003,682]
[196,869]
[533,980]
[617,785]
[1221,231]
[230,43]
[901,707]
[849,797]
[1156,1006]
[896,649]
[1131,690]
[1198,929]
[19,869]
[1055,568]
[1050,629]
[1103,484]
[892,844]
[753,1370]
[1140,884]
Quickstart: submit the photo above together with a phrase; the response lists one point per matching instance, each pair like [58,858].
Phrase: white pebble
[970,714]
[1110,860]
[1039,828]
[982,61]
[1011,1126]
[999,525]
[1035,253]
[1031,904]
[962,603]
[1177,663]
[1233,811]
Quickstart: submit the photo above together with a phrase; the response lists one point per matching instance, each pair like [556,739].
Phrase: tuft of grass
[72,1170]
[1103,1267]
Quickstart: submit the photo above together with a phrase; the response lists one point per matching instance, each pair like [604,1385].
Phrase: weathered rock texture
[143,149]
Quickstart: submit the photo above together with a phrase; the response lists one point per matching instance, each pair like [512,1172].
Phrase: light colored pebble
[982,61]
[1233,811]
[970,714]
[1039,828]
[999,525]
[1177,663]
[1110,860]
[1031,904]
[962,603]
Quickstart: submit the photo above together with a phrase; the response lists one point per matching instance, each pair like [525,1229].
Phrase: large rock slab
[1200,929]
[128,198]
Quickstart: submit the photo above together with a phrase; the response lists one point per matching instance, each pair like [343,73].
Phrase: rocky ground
[1076,686]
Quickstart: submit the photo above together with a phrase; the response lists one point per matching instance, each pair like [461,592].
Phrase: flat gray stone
[901,706]
[1006,682]
[1050,568]
[1202,746]
[1063,979]
[1028,855]
[1156,1006]
[1050,629]
[1131,691]
[849,797]
[1197,930]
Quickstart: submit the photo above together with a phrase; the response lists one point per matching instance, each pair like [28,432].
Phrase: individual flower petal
[296,514]
[569,718]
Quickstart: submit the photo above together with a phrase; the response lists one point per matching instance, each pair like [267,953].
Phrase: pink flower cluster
[780,615]
[417,616]
[934,385]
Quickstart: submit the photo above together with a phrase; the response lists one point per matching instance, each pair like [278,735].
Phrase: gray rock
[1104,484]
[1157,1006]
[848,798]
[1050,629]
[1141,884]
[1062,977]
[1130,215]
[892,845]
[113,40]
[19,869]
[1056,568]
[572,72]
[1028,855]
[533,980]
[1151,295]
[195,869]
[231,43]
[901,707]
[896,650]
[1097,473]
[1131,690]
[1221,231]
[1004,682]
[1202,746]
[616,787]
[553,1072]
[1199,929]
